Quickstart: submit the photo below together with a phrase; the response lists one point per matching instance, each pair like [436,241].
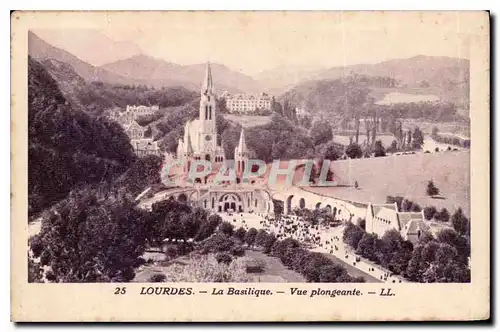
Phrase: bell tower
[208,131]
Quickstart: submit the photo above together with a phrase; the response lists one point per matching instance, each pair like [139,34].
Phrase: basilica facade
[200,142]
[200,135]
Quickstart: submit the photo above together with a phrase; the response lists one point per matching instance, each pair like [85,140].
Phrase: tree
[406,205]
[35,272]
[226,228]
[331,152]
[443,215]
[330,273]
[313,265]
[88,239]
[250,236]
[394,253]
[418,138]
[379,150]
[367,246]
[429,212]
[158,277]
[223,258]
[279,247]
[240,233]
[261,237]
[460,243]
[435,132]
[354,151]
[460,223]
[321,132]
[217,243]
[432,190]
[208,228]
[352,235]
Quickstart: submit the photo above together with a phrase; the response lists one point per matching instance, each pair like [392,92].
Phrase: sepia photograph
[251,148]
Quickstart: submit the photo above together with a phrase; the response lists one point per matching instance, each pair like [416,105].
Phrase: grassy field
[407,176]
[248,120]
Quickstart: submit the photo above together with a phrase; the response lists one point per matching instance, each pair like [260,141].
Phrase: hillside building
[247,104]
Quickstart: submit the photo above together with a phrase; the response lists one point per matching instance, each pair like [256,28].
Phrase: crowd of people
[320,238]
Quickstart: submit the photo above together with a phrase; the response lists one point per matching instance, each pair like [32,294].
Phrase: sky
[252,42]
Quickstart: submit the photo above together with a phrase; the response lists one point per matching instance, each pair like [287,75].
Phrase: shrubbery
[444,259]
[159,277]
[311,265]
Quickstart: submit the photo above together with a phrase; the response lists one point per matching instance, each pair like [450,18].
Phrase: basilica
[200,136]
[200,142]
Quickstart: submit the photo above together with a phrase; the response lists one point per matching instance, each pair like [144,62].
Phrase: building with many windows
[247,104]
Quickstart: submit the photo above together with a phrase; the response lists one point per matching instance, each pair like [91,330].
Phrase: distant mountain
[40,50]
[418,71]
[412,72]
[282,78]
[84,43]
[443,77]
[158,72]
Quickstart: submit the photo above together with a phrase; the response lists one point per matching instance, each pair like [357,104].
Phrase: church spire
[208,84]
[189,146]
[242,146]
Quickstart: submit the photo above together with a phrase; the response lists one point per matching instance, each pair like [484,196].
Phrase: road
[330,244]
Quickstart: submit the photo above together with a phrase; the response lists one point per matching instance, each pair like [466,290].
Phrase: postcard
[250,166]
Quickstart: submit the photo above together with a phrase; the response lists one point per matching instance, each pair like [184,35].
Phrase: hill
[344,97]
[67,147]
[84,42]
[280,79]
[445,77]
[158,72]
[39,50]
[411,72]
[97,97]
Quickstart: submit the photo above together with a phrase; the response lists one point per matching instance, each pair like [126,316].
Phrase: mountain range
[437,72]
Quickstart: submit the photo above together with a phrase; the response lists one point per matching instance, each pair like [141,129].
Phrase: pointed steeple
[208,84]
[242,146]
[189,146]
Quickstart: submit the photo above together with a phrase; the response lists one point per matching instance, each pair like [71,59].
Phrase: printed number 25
[120,290]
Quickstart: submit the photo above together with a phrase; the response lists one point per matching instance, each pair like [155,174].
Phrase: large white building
[240,103]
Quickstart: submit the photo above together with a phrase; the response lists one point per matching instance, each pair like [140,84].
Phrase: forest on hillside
[96,97]
[69,148]
[347,96]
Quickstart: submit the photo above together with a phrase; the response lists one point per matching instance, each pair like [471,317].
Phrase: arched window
[210,112]
[206,112]
[213,202]
[207,157]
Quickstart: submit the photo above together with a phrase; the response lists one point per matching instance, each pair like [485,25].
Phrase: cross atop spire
[208,84]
